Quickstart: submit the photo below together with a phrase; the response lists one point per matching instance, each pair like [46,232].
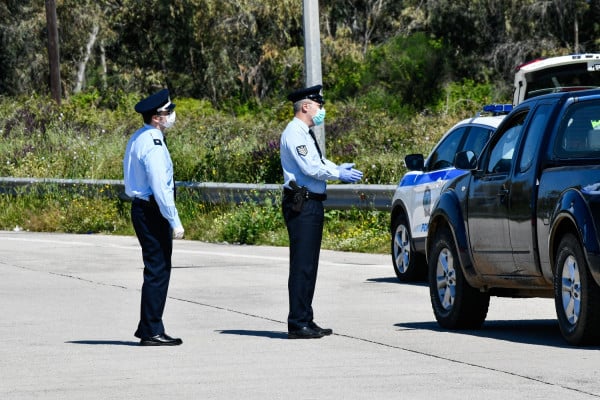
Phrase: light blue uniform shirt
[148,170]
[300,159]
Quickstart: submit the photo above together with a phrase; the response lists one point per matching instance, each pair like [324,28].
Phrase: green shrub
[59,210]
[248,222]
[357,230]
[404,74]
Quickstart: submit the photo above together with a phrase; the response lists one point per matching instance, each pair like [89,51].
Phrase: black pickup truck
[525,220]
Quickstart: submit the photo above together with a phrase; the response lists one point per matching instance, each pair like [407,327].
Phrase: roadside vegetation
[83,140]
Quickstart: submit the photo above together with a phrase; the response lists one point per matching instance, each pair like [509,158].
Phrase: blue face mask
[319,117]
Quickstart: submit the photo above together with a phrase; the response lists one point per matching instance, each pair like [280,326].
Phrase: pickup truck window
[577,136]
[536,129]
[501,154]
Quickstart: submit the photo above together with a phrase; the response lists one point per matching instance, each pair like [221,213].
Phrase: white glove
[178,232]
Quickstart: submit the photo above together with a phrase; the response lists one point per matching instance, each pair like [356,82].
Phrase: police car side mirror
[465,160]
[414,162]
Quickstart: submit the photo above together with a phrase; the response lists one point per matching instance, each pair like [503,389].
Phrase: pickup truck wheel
[456,304]
[409,265]
[576,295]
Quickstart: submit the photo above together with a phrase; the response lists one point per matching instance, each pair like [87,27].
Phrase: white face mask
[170,121]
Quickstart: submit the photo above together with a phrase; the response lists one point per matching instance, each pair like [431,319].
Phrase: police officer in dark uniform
[148,173]
[305,172]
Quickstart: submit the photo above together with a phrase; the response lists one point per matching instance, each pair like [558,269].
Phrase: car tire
[409,265]
[456,304]
[576,295]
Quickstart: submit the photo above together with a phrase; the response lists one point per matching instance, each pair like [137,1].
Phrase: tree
[23,62]
[241,52]
[370,21]
[53,50]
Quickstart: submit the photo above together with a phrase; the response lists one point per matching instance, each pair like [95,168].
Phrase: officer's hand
[346,165]
[178,232]
[350,175]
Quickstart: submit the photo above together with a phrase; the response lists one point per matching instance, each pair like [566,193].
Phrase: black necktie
[312,135]
[174,187]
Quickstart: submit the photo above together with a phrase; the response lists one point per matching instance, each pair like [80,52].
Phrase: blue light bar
[498,108]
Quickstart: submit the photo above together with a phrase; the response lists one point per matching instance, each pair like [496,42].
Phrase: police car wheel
[409,265]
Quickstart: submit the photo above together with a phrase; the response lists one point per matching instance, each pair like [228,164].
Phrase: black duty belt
[309,195]
[150,201]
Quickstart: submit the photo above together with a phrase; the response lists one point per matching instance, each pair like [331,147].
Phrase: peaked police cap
[158,101]
[313,93]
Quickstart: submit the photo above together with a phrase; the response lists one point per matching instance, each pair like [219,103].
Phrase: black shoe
[161,340]
[322,331]
[304,333]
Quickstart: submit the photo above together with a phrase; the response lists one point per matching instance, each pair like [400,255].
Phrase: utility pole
[576,35]
[312,56]
[53,54]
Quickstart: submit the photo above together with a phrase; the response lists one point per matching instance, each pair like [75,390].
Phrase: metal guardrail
[339,196]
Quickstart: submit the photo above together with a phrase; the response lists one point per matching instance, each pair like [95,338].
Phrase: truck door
[488,207]
[523,196]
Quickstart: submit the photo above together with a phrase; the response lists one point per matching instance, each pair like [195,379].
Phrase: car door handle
[503,195]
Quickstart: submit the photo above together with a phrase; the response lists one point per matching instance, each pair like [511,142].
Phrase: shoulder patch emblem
[157,142]
[302,150]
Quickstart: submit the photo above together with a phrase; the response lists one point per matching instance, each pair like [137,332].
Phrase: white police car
[420,187]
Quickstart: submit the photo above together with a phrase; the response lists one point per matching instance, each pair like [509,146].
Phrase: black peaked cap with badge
[313,93]
[159,100]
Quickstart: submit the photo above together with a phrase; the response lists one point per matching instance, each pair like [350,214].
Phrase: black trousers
[305,231]
[154,234]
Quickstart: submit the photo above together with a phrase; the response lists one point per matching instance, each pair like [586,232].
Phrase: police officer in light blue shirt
[305,172]
[148,176]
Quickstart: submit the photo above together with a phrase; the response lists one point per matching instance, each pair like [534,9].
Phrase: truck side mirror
[414,162]
[465,160]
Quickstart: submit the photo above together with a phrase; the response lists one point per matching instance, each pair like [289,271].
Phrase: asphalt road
[69,306]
